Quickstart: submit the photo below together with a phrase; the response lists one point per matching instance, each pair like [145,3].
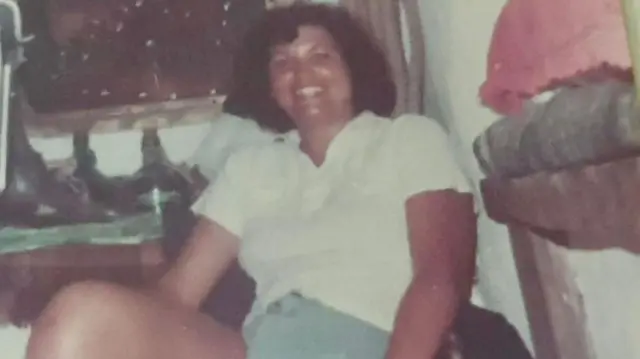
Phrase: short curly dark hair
[250,91]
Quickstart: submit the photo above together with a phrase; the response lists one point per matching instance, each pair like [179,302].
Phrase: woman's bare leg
[104,321]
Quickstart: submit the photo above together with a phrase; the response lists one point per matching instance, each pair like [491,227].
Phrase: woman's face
[310,80]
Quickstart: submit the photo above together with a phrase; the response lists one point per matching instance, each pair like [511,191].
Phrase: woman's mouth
[308,91]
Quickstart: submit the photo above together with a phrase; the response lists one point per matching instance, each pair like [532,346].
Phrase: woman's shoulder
[402,124]
[425,156]
[413,131]
[417,124]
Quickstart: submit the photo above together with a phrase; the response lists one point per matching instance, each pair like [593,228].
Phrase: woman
[359,230]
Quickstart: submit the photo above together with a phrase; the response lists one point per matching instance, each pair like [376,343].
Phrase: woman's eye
[278,62]
[321,55]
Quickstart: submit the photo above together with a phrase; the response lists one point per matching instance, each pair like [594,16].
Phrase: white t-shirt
[335,233]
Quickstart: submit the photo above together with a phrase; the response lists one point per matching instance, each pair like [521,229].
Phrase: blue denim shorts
[299,328]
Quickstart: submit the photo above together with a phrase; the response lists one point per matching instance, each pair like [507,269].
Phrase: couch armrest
[590,207]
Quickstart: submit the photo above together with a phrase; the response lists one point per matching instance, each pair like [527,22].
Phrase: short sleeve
[225,200]
[226,135]
[424,157]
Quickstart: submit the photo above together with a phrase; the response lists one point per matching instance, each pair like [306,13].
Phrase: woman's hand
[203,261]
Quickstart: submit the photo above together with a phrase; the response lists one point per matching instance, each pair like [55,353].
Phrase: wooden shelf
[123,118]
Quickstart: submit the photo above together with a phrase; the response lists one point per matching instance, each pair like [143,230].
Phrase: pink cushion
[538,45]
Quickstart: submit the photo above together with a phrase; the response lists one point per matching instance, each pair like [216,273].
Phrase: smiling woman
[358,229]
[329,45]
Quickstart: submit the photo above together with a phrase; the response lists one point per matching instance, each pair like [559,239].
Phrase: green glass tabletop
[131,230]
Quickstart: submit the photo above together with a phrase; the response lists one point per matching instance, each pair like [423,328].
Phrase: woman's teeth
[308,91]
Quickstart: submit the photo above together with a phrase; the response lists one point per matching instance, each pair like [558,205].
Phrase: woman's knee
[75,314]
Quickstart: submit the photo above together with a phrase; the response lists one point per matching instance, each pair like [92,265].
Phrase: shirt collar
[358,122]
[355,135]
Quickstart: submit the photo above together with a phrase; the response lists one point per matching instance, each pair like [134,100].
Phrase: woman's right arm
[203,261]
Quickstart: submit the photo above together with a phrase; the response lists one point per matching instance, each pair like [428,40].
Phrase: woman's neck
[315,142]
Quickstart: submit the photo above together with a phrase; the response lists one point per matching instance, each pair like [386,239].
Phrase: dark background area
[91,54]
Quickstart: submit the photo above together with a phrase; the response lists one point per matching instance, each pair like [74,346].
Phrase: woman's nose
[303,74]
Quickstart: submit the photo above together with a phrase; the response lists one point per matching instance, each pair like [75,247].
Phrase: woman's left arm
[442,235]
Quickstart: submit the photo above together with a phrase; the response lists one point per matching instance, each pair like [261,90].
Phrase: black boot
[35,197]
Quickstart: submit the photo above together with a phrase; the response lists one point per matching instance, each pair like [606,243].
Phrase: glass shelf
[131,230]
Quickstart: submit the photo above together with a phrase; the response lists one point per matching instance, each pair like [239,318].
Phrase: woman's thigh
[296,328]
[96,320]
